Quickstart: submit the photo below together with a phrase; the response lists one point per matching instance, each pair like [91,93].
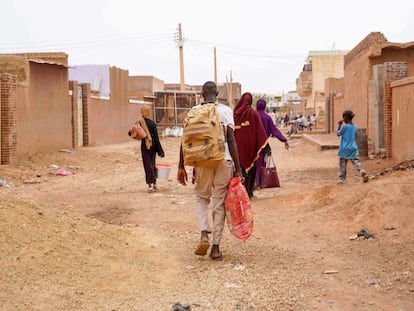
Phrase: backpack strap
[222,125]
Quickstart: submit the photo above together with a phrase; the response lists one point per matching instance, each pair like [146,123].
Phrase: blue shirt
[348,149]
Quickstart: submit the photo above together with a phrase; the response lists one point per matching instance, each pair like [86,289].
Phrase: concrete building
[378,87]
[320,65]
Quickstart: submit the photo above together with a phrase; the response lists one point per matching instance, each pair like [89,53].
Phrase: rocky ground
[96,240]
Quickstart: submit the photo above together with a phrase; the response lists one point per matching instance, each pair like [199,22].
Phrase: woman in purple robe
[271,131]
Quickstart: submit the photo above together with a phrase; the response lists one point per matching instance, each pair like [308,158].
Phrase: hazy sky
[262,43]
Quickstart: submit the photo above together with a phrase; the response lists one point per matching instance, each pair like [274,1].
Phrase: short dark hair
[210,88]
[348,114]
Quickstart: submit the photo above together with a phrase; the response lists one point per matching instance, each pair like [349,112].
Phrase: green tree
[256,97]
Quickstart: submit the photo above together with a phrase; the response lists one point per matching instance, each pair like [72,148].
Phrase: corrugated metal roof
[40,61]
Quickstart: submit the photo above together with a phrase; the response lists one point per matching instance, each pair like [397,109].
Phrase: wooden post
[231,91]
[180,48]
[215,66]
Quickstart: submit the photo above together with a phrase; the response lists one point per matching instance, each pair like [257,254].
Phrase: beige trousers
[212,185]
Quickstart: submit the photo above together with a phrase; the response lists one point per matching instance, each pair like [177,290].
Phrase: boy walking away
[348,149]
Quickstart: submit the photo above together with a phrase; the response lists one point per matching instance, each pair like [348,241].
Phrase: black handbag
[268,173]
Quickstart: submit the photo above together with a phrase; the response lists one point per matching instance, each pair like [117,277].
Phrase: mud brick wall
[8,88]
[54,57]
[371,39]
[392,71]
[73,98]
[86,98]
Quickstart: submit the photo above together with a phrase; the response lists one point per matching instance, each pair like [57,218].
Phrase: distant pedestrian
[278,120]
[313,120]
[348,149]
[150,147]
[273,116]
[286,120]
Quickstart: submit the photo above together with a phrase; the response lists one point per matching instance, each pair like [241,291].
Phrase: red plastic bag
[238,210]
[62,172]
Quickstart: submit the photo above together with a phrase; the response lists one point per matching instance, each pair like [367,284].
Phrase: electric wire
[199,49]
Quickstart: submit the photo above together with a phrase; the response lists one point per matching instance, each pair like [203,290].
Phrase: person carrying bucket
[150,147]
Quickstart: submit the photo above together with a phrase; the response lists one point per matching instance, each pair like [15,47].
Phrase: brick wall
[372,39]
[371,116]
[8,85]
[392,71]
[86,97]
[73,98]
[15,65]
[53,57]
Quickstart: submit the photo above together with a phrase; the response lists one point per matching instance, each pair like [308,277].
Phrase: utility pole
[231,91]
[180,49]
[215,66]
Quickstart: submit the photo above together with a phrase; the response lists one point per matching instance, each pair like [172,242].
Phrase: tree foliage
[256,97]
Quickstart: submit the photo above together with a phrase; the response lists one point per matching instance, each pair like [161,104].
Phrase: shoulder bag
[268,173]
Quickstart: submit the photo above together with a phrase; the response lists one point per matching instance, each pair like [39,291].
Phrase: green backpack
[203,139]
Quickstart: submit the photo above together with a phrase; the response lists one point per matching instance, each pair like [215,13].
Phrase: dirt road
[96,240]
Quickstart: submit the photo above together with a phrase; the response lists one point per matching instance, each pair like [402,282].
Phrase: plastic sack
[238,210]
[174,132]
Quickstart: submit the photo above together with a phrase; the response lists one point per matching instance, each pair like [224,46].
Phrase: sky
[261,44]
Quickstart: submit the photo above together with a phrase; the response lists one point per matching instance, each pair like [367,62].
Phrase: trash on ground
[31,181]
[180,307]
[353,237]
[67,150]
[364,233]
[4,183]
[63,172]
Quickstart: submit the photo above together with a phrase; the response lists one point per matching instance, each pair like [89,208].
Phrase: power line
[265,54]
[86,43]
[196,51]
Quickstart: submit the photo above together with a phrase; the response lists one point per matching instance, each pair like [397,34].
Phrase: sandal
[217,256]
[202,248]
[215,253]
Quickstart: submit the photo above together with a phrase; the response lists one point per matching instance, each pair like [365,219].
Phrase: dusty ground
[95,240]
